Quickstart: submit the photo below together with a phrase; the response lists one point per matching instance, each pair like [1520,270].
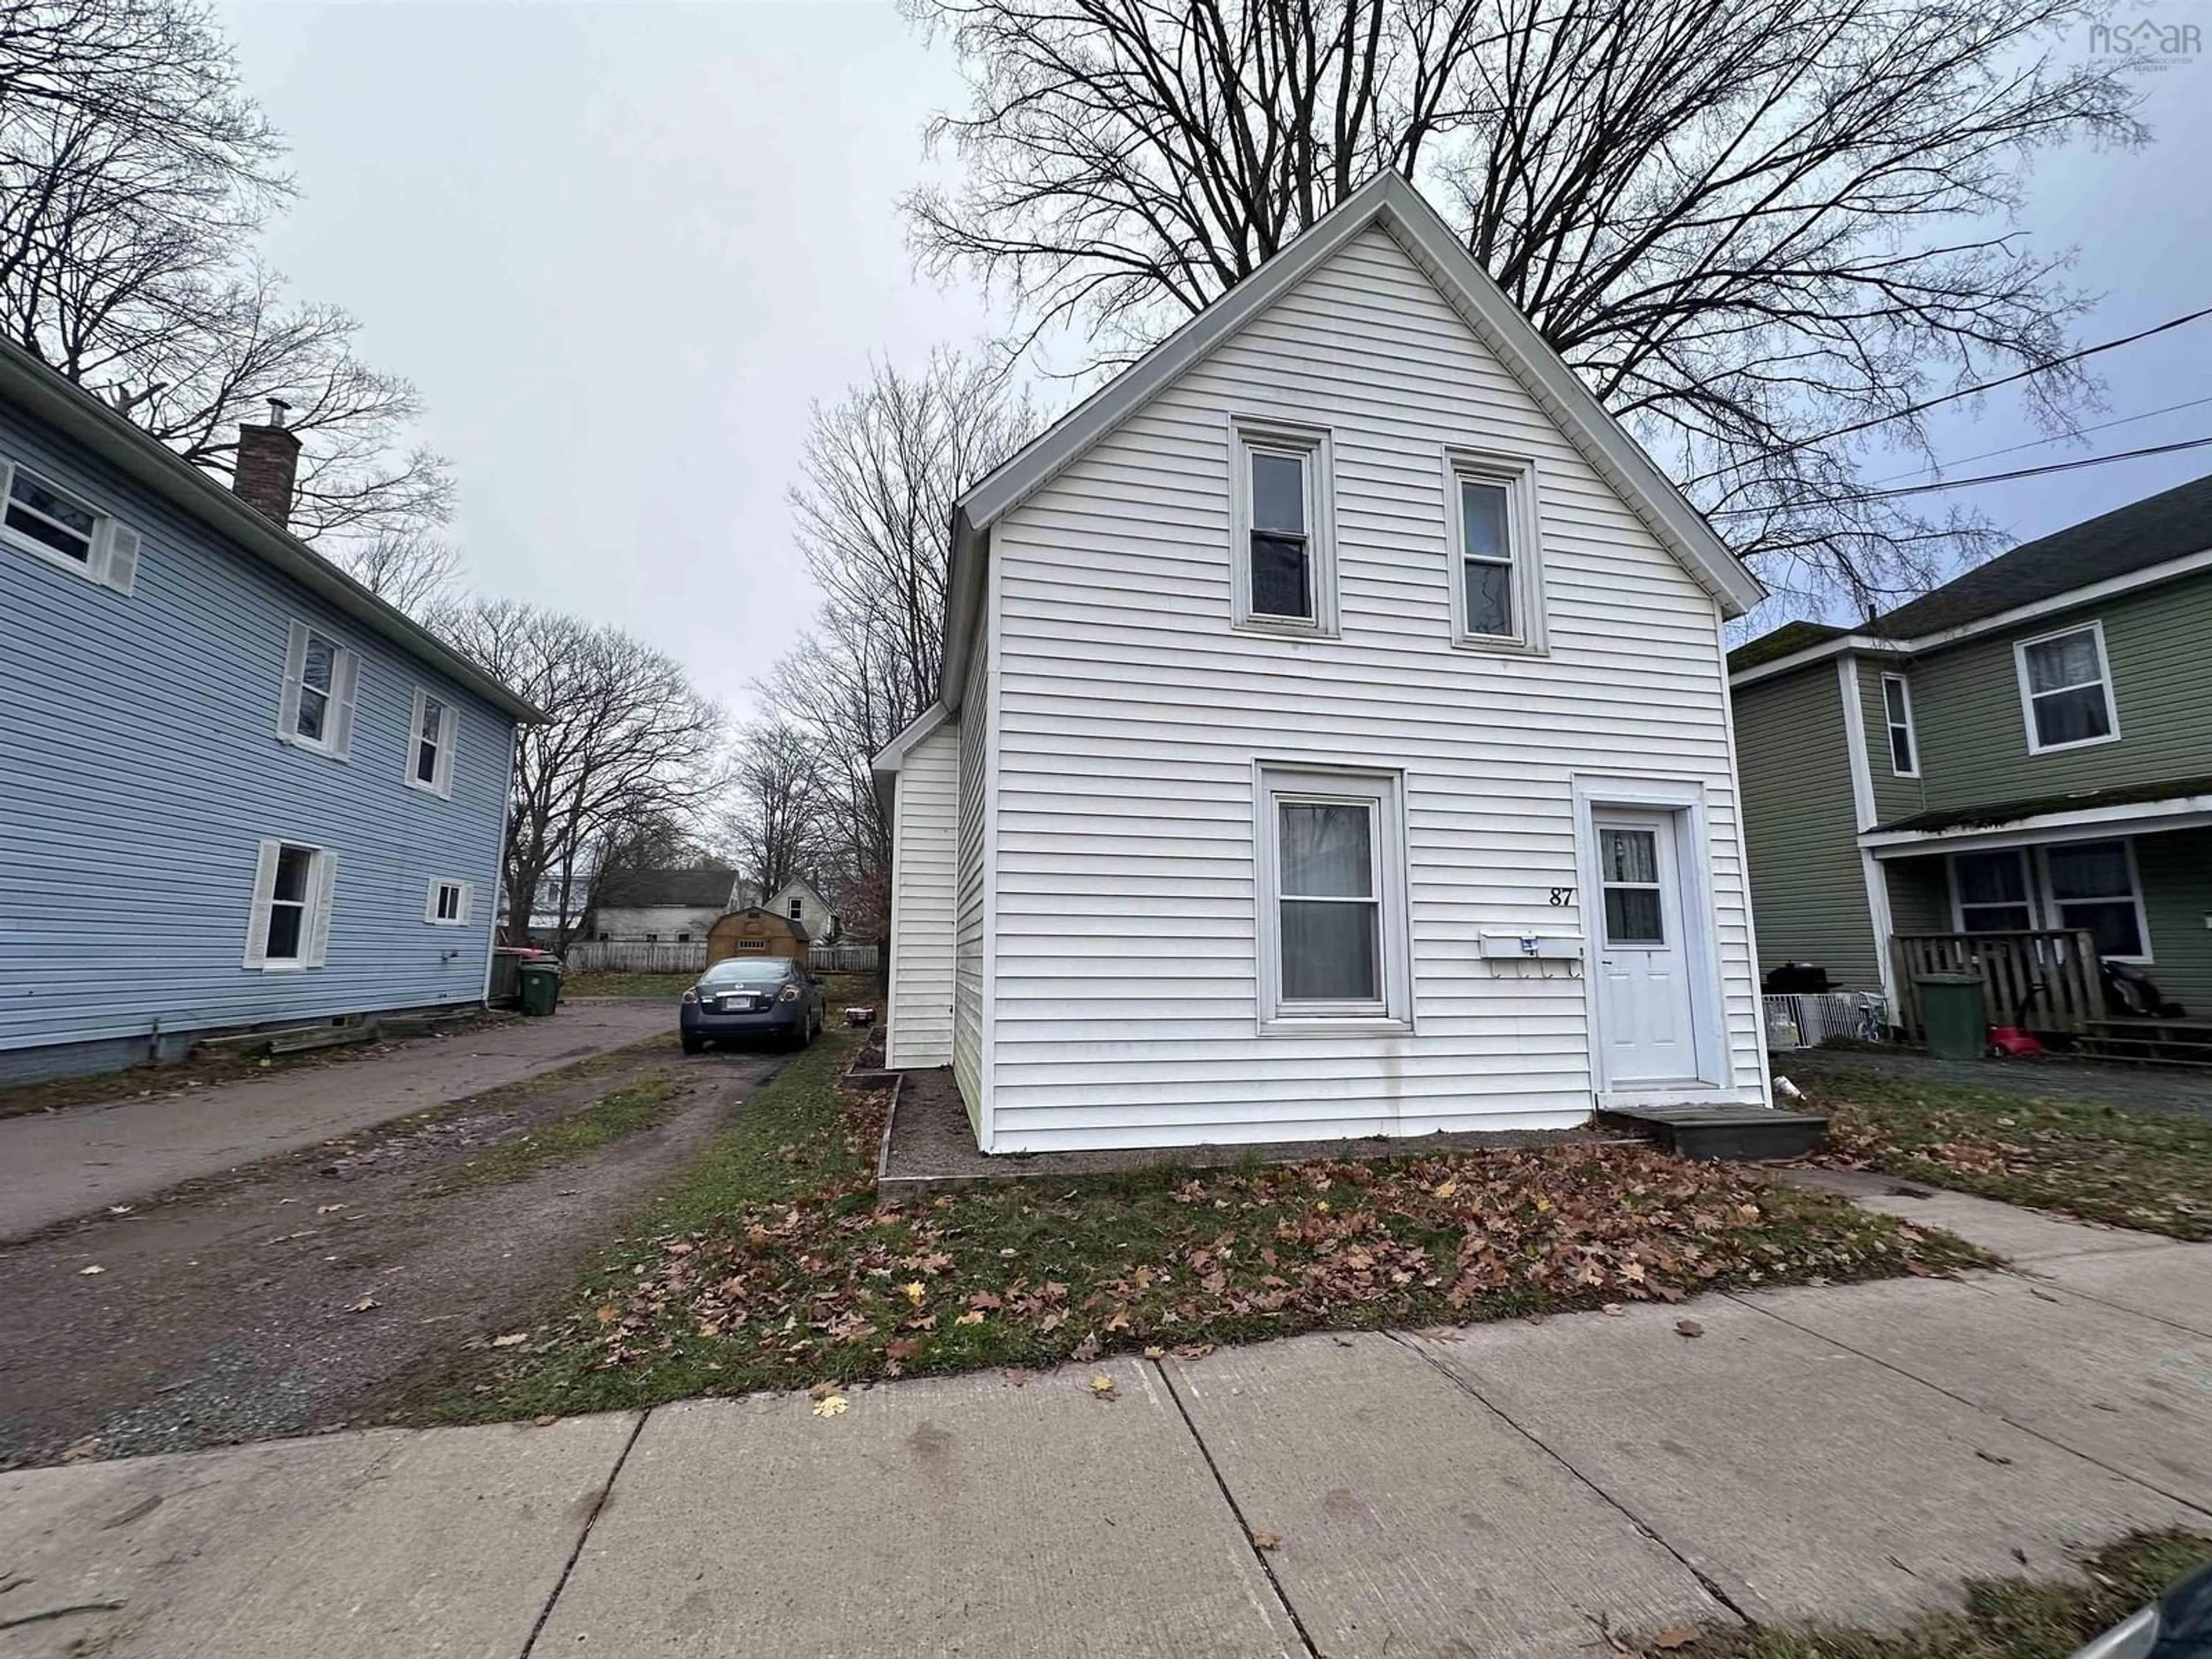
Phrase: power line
[1987,478]
[1971,391]
[2041,443]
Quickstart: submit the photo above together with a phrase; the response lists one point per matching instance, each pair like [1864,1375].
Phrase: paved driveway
[54,1165]
[1850,1453]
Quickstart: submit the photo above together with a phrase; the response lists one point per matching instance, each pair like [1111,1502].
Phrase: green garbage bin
[541,986]
[1951,1007]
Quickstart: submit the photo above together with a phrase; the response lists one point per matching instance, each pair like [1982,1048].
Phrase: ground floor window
[289,923]
[1332,922]
[2088,885]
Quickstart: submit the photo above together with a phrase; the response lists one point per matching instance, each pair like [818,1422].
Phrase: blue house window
[433,723]
[44,520]
[320,676]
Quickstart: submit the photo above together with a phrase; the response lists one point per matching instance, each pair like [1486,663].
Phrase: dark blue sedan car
[751,1000]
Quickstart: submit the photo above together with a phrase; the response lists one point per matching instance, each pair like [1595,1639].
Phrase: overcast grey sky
[620,247]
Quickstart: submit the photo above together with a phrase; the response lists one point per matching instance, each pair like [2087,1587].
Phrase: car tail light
[789,993]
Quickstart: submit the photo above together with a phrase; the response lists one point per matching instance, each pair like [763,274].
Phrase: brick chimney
[268,462]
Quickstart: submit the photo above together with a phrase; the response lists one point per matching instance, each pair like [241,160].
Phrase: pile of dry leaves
[830,1283]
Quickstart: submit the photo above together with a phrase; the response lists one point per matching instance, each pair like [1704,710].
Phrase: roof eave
[78,414]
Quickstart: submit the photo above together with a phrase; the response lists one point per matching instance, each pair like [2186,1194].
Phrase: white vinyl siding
[926,814]
[1130,717]
[321,679]
[969,966]
[48,522]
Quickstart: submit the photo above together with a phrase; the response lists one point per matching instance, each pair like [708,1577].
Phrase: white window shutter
[120,569]
[295,664]
[468,901]
[6,483]
[326,878]
[449,731]
[430,901]
[257,917]
[344,677]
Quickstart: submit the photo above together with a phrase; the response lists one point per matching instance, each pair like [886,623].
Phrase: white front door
[1647,1032]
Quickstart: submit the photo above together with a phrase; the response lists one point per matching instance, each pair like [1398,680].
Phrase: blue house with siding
[236,788]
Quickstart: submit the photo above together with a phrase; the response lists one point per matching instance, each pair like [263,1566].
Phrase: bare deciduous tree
[135,174]
[418,572]
[1745,225]
[779,829]
[628,744]
[874,510]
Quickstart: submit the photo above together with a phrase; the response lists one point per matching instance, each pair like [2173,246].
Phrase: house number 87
[1563,896]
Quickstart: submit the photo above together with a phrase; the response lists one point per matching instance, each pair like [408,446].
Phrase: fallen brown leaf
[1689,1328]
[1681,1636]
[1264,1540]
[901,1347]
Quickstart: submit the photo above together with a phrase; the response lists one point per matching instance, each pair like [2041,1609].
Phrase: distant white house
[1333,740]
[663,907]
[799,901]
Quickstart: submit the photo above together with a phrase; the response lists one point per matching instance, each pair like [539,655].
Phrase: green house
[2020,758]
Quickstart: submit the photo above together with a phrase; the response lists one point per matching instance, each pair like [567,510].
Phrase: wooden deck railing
[2057,966]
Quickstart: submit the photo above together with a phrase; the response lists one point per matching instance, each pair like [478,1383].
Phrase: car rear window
[737,972]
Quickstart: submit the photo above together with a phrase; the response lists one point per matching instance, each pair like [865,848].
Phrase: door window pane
[1630,855]
[1633,916]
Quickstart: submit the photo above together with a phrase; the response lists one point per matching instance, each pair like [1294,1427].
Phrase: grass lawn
[2005,1619]
[670,986]
[2130,1169]
[770,1264]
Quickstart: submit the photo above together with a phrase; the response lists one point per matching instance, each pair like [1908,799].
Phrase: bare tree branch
[1744,225]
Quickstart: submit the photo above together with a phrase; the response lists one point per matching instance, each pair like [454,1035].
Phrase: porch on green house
[2034,895]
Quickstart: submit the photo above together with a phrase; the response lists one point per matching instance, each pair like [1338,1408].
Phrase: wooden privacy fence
[635,957]
[2058,966]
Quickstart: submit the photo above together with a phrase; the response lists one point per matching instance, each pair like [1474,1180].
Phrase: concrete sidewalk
[54,1165]
[1847,1453]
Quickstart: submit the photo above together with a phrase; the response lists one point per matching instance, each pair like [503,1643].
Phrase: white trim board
[1700,928]
[1864,816]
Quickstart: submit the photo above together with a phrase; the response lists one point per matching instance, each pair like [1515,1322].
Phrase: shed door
[1647,1031]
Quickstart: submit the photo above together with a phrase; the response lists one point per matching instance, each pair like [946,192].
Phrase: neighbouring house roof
[1389,202]
[1789,638]
[695,887]
[2140,537]
[2171,525]
[1990,814]
[69,408]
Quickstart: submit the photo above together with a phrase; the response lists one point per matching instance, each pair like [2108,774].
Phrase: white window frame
[1892,726]
[441,767]
[1524,541]
[2019,650]
[433,902]
[315,914]
[796,909]
[2056,917]
[1383,794]
[112,559]
[1313,446]
[336,741]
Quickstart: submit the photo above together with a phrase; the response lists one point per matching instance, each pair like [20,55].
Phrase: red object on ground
[2010,1042]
